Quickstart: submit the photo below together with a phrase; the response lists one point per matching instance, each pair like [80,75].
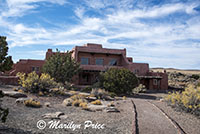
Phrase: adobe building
[93,59]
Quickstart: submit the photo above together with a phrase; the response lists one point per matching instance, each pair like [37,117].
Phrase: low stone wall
[8,80]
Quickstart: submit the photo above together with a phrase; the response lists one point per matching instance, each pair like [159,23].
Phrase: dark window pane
[113,62]
[37,68]
[84,61]
[33,68]
[99,61]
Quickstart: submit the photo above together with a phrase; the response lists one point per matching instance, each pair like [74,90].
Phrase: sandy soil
[23,120]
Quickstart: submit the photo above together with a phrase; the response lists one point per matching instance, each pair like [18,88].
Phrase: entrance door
[85,79]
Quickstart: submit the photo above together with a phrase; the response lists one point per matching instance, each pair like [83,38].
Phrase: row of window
[98,61]
[36,69]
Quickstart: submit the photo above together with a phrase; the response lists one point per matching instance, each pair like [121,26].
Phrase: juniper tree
[5,60]
[5,65]
[61,66]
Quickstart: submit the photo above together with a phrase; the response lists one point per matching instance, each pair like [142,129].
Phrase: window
[155,82]
[99,61]
[136,71]
[36,69]
[113,62]
[84,61]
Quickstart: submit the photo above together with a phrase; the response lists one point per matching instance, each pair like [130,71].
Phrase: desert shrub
[15,89]
[111,104]
[124,97]
[77,99]
[77,102]
[97,84]
[21,91]
[83,104]
[140,89]
[40,93]
[87,89]
[195,76]
[45,81]
[68,86]
[33,83]
[112,94]
[96,102]
[32,103]
[58,91]
[118,80]
[3,112]
[99,93]
[73,92]
[78,96]
[188,100]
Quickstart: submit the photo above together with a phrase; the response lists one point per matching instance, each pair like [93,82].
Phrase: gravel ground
[23,120]
[151,120]
[188,122]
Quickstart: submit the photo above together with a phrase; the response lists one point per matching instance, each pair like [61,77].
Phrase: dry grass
[96,102]
[176,70]
[32,103]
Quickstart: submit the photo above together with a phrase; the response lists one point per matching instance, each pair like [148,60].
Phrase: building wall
[106,58]
[26,66]
[163,81]
[94,51]
[140,69]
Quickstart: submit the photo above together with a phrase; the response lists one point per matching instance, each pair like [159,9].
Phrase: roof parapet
[93,45]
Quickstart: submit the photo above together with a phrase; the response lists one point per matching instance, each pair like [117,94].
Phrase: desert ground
[139,114]
[171,70]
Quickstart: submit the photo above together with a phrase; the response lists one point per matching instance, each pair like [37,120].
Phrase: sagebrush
[35,83]
[188,100]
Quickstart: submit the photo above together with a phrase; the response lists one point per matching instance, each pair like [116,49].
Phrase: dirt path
[151,120]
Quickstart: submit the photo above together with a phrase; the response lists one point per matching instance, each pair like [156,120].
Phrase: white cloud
[79,11]
[20,7]
[38,52]
[150,42]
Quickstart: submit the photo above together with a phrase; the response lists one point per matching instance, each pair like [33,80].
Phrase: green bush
[33,83]
[3,112]
[112,94]
[99,93]
[118,80]
[87,89]
[188,100]
[195,76]
[61,66]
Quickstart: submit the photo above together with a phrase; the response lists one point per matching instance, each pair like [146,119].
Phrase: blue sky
[163,33]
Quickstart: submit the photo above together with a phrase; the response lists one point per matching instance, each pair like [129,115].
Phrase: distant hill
[185,71]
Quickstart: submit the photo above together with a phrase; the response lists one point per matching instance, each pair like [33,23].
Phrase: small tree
[61,67]
[118,80]
[5,61]
[3,112]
